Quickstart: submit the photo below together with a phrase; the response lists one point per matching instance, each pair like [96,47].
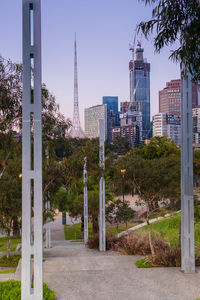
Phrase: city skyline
[104,31]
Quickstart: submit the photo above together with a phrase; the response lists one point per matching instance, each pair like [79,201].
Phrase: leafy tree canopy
[174,20]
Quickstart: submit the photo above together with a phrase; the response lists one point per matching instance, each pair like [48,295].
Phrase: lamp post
[85,202]
[102,222]
[123,172]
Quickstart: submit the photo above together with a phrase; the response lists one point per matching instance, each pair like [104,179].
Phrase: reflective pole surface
[102,223]
[187,201]
[85,202]
[32,249]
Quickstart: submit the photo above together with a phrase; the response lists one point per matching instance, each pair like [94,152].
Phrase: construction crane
[132,49]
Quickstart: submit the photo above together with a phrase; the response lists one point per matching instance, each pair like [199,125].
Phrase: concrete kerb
[145,223]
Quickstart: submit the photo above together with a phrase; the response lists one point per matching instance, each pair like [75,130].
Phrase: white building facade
[167,125]
[92,116]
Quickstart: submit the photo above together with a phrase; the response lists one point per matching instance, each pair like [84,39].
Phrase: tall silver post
[47,206]
[32,153]
[102,223]
[187,201]
[85,202]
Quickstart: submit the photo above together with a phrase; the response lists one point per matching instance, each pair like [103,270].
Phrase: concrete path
[78,273]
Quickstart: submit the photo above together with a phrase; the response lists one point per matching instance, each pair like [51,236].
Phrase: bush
[11,261]
[134,243]
[143,263]
[11,289]
[111,240]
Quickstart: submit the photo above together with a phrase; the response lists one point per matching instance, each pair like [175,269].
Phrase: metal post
[102,223]
[187,201]
[32,153]
[47,206]
[85,202]
[48,225]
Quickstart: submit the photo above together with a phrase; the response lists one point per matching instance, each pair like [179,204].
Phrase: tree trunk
[95,225]
[8,244]
[82,227]
[16,229]
[151,240]
[126,225]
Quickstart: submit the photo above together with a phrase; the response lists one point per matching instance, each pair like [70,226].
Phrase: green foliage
[8,271]
[120,146]
[143,263]
[11,289]
[73,232]
[13,243]
[11,261]
[119,211]
[196,209]
[174,20]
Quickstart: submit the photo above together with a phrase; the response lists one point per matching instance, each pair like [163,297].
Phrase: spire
[76,130]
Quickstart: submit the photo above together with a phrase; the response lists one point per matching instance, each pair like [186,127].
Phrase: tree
[120,145]
[155,175]
[54,124]
[10,196]
[175,20]
[119,212]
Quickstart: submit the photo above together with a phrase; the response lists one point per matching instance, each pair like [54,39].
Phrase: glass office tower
[140,88]
[112,113]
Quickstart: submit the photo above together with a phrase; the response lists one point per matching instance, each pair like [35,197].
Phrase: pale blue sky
[104,29]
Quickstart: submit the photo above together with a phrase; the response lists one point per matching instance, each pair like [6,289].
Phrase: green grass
[8,271]
[73,232]
[169,229]
[11,289]
[12,261]
[143,263]
[13,244]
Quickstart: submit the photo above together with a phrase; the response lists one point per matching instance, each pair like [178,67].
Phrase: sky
[104,29]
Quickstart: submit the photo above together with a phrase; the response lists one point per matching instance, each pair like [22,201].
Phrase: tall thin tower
[76,130]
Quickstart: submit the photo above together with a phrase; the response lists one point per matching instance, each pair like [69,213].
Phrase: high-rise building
[130,132]
[170,98]
[92,116]
[131,115]
[140,87]
[167,125]
[112,113]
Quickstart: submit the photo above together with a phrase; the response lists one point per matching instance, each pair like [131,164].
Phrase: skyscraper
[76,130]
[170,98]
[92,116]
[112,113]
[140,88]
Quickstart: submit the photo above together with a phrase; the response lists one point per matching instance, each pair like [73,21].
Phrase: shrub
[11,261]
[111,240]
[143,263]
[135,243]
[11,289]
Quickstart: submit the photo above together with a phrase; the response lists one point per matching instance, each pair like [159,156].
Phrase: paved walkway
[78,273]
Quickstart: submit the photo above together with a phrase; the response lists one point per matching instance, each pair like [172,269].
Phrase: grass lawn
[12,261]
[11,289]
[13,244]
[169,229]
[72,232]
[8,271]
